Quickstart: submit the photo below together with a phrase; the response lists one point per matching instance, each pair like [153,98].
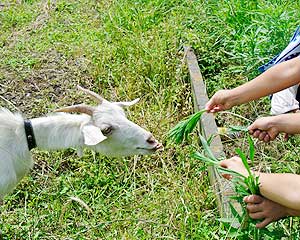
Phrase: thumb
[252,127]
[273,133]
[209,105]
[224,163]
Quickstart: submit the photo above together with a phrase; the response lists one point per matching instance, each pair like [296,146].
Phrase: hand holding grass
[267,210]
[267,128]
[235,164]
[282,188]
[220,101]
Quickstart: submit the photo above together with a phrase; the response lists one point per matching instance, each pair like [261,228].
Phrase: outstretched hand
[220,101]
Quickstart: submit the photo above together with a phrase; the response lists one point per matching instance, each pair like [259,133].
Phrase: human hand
[220,101]
[235,164]
[262,208]
[264,129]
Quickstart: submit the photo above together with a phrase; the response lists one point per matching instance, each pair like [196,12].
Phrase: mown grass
[127,49]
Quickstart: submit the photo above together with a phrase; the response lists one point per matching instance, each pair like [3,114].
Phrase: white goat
[104,129]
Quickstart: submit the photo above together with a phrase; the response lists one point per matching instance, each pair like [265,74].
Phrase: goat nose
[151,140]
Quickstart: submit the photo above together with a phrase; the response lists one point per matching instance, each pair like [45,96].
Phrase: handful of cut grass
[247,185]
[181,131]
[243,185]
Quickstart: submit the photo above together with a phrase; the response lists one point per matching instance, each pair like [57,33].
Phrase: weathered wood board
[222,188]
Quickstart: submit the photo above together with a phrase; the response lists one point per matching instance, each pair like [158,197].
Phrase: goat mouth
[158,146]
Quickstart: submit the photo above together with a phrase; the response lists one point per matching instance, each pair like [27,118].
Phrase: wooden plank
[222,188]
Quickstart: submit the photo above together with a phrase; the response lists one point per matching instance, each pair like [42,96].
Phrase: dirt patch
[49,84]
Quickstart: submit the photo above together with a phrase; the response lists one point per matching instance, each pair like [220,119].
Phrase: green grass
[127,49]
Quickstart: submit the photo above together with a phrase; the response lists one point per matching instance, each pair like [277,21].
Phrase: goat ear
[92,135]
[127,104]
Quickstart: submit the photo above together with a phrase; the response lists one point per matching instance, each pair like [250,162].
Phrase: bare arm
[277,78]
[287,123]
[281,188]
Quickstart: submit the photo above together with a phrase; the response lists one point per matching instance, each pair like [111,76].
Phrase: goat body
[54,132]
[15,157]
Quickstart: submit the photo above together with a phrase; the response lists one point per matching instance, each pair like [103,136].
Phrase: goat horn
[96,96]
[78,109]
[127,104]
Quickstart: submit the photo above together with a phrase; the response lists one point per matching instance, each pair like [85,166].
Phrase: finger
[214,110]
[286,137]
[252,127]
[224,163]
[254,208]
[256,133]
[210,105]
[262,136]
[227,176]
[254,199]
[264,223]
[257,215]
[273,134]
[217,108]
[267,138]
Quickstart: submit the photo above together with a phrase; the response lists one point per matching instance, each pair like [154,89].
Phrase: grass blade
[244,160]
[251,148]
[234,129]
[180,132]
[205,159]
[207,148]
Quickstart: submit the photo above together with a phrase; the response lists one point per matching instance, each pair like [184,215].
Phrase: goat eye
[106,130]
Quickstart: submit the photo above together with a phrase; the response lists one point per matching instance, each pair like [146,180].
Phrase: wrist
[292,212]
[276,122]
[288,123]
[234,97]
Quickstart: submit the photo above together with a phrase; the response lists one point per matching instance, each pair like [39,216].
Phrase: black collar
[29,134]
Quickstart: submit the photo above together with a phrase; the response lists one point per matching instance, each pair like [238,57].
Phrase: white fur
[15,158]
[62,130]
